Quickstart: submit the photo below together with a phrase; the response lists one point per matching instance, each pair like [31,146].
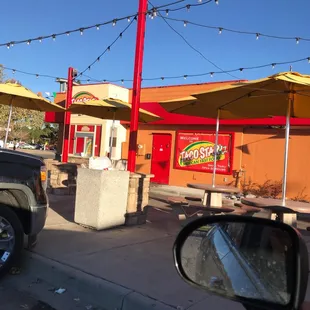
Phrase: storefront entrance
[161,155]
[85,140]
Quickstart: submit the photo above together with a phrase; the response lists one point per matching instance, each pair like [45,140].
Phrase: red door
[161,154]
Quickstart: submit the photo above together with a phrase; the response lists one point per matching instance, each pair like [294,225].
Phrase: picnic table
[209,190]
[286,214]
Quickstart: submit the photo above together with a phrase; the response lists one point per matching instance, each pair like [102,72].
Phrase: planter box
[101,198]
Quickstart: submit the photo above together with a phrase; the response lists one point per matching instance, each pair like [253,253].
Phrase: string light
[37,76]
[211,74]
[113,21]
[216,2]
[108,48]
[185,23]
[8,45]
[81,31]
[28,42]
[297,39]
[188,6]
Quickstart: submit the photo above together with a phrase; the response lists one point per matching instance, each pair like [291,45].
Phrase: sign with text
[195,151]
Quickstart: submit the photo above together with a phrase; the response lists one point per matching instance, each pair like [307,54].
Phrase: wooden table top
[300,207]
[216,189]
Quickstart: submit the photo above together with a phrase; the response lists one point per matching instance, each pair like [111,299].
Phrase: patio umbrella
[283,94]
[113,109]
[21,97]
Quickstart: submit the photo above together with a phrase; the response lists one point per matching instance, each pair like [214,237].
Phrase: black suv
[23,203]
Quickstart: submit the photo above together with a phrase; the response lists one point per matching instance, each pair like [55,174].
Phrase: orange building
[178,148]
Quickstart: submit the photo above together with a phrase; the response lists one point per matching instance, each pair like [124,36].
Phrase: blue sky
[165,53]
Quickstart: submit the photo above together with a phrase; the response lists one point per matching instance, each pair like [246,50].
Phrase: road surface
[44,154]
[11,299]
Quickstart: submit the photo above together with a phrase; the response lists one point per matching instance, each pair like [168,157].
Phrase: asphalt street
[12,299]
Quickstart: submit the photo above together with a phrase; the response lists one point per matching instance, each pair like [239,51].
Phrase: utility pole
[136,88]
[72,73]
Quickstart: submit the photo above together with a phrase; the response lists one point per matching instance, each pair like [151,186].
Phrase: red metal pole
[65,144]
[136,88]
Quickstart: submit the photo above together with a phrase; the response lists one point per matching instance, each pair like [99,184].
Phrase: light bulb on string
[162,78]
[13,71]
[12,44]
[97,27]
[40,39]
[88,80]
[28,42]
[114,22]
[220,30]
[98,59]
[8,46]
[241,69]
[257,36]
[81,31]
[68,33]
[273,66]
[122,81]
[121,35]
[199,1]
[217,2]
[185,23]
[308,60]
[185,76]
[297,40]
[188,7]
[37,76]
[211,74]
[88,68]
[54,37]
[128,19]
[167,12]
[108,48]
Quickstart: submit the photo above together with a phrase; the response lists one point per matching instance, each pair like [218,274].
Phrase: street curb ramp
[41,276]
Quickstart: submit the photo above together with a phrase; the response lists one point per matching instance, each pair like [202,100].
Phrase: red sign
[195,151]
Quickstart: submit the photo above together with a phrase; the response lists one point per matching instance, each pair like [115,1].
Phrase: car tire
[10,217]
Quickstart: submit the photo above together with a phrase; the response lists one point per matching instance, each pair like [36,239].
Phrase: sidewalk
[123,268]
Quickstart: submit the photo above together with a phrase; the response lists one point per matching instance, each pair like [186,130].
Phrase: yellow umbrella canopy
[256,99]
[110,109]
[21,97]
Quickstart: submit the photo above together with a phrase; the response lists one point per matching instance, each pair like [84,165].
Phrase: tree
[22,120]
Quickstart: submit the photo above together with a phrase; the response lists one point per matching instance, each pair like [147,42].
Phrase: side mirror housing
[254,261]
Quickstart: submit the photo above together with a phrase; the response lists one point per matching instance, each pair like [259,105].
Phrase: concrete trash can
[101,198]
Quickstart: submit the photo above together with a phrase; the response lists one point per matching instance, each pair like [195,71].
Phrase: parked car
[27,146]
[23,203]
[39,147]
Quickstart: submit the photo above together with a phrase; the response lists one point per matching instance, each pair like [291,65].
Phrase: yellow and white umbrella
[19,96]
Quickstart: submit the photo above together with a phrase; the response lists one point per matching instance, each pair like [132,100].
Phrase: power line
[191,46]
[108,48]
[222,29]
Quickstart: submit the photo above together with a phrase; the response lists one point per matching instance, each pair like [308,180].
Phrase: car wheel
[11,238]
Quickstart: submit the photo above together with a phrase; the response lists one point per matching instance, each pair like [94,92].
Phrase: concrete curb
[176,191]
[41,276]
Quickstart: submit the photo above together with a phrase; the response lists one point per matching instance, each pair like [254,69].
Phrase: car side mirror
[254,261]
